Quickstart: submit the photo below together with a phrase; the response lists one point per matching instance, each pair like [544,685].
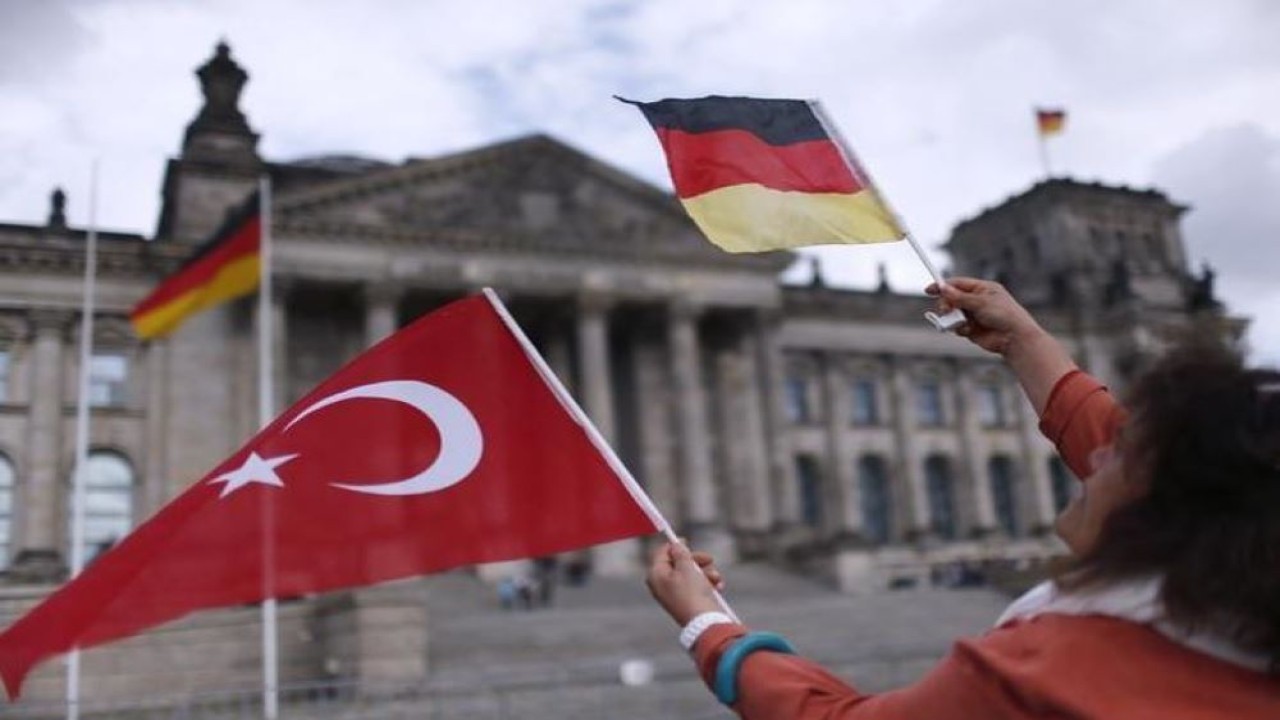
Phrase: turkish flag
[441,446]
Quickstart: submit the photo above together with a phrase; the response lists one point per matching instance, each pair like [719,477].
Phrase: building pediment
[533,192]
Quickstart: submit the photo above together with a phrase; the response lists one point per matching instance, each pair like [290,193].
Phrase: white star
[256,469]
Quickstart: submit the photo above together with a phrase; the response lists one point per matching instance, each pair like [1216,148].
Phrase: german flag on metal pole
[225,267]
[762,174]
[1049,122]
[758,174]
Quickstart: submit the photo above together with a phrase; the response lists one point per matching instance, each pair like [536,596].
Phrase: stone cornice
[631,250]
[498,154]
[66,257]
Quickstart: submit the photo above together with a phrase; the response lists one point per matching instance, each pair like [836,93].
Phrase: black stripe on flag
[776,122]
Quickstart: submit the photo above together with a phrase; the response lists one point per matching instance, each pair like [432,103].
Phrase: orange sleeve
[1079,417]
[774,686]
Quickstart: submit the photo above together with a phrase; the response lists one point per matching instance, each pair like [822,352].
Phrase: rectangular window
[929,404]
[809,477]
[865,409]
[991,406]
[798,409]
[108,380]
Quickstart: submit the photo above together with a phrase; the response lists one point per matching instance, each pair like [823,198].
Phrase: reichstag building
[826,429]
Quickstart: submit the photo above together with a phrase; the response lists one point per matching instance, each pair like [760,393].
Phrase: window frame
[880,478]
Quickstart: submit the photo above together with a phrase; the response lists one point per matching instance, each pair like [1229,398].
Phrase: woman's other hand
[684,582]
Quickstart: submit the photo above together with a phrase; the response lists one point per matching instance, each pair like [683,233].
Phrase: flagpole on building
[944,323]
[82,424]
[266,410]
[580,416]
[1044,154]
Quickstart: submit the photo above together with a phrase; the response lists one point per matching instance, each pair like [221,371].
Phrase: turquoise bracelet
[726,684]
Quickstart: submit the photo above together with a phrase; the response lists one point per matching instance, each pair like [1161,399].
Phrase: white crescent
[461,442]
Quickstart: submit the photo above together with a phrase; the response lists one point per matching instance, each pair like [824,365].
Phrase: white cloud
[1230,173]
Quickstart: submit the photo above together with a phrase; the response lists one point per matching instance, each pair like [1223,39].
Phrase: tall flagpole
[82,425]
[266,395]
[1044,153]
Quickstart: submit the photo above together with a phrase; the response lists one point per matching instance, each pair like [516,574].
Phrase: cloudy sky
[936,96]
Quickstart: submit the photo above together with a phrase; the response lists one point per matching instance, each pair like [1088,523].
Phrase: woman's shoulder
[1102,666]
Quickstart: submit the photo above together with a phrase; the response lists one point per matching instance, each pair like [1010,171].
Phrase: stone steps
[559,663]
[594,629]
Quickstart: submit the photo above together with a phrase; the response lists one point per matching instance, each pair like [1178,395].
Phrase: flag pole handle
[615,463]
[947,322]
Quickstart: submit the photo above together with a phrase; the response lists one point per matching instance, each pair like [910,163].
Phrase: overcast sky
[936,96]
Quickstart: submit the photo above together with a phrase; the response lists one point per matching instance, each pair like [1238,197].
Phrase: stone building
[831,429]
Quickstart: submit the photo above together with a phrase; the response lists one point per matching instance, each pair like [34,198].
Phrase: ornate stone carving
[221,80]
[57,210]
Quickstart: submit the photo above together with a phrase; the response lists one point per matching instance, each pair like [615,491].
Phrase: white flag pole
[266,410]
[1044,152]
[615,463]
[944,323]
[82,424]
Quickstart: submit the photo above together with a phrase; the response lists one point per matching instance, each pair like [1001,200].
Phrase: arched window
[1000,475]
[108,502]
[942,507]
[809,476]
[877,507]
[6,511]
[1064,485]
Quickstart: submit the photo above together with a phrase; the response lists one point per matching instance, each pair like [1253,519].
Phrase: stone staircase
[561,662]
[571,653]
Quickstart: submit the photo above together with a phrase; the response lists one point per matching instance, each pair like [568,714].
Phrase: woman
[1170,604]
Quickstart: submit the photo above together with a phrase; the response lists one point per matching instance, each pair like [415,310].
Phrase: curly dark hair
[1205,433]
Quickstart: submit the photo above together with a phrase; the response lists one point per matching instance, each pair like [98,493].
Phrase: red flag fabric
[441,446]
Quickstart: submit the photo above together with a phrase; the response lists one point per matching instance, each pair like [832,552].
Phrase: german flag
[1050,122]
[761,175]
[225,267]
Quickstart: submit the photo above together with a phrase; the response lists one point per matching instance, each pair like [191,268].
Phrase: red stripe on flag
[702,162]
[245,240]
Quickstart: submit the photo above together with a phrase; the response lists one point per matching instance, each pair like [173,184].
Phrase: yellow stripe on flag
[753,218]
[236,278]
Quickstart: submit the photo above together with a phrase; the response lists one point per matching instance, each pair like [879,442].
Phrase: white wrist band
[698,625]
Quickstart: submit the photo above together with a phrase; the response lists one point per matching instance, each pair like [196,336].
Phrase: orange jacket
[1047,666]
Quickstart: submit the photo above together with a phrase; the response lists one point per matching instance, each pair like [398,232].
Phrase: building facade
[831,429]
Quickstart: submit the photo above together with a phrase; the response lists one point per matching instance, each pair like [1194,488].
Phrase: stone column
[742,461]
[156,463]
[982,508]
[756,436]
[380,317]
[702,517]
[558,352]
[617,558]
[908,466]
[657,436]
[1035,467]
[845,520]
[38,557]
[786,494]
[596,389]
